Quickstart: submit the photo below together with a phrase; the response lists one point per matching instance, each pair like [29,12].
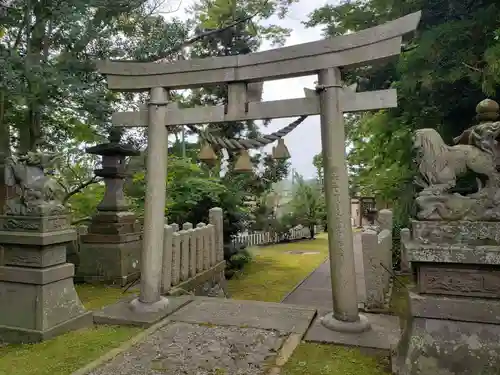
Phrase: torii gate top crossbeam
[348,51]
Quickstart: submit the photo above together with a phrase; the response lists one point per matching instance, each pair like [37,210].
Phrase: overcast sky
[304,142]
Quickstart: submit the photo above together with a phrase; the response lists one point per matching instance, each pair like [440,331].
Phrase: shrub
[236,256]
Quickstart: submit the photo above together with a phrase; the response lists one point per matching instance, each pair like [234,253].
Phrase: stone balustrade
[193,257]
[376,249]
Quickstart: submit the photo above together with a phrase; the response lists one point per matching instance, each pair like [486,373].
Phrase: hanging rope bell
[281,151]
[243,164]
[207,154]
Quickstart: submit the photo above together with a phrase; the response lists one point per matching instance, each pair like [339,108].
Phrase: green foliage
[84,203]
[239,260]
[236,256]
[449,67]
[48,83]
[191,193]
[318,164]
[307,206]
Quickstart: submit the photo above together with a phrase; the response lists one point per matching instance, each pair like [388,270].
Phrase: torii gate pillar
[345,316]
[150,299]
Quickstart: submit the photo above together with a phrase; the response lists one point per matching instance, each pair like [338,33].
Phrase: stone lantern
[110,251]
[113,171]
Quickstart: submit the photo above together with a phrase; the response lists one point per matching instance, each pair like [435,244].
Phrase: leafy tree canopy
[450,65]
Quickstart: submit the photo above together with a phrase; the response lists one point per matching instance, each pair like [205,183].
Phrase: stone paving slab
[316,289]
[183,348]
[254,314]
[120,313]
[385,332]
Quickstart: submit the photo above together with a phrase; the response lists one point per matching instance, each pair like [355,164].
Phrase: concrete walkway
[315,290]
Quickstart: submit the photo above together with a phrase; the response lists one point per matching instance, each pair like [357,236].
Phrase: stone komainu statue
[34,193]
[440,165]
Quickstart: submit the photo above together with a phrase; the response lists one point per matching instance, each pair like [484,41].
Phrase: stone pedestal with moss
[453,325]
[111,250]
[37,296]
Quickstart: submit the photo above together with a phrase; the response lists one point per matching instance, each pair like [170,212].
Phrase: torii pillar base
[358,326]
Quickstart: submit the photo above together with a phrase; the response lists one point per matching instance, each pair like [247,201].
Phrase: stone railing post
[373,271]
[188,227]
[184,252]
[211,245]
[198,233]
[216,218]
[204,244]
[166,278]
[405,237]
[176,255]
[384,219]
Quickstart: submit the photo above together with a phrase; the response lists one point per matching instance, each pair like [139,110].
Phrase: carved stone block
[449,253]
[34,223]
[34,256]
[476,233]
[469,282]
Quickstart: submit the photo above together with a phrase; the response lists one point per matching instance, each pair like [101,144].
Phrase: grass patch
[67,353]
[273,272]
[94,297]
[63,354]
[318,359]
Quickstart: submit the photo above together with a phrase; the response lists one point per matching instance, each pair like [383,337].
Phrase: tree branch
[162,56]
[472,67]
[80,187]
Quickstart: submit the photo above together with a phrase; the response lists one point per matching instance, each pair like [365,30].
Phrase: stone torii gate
[325,58]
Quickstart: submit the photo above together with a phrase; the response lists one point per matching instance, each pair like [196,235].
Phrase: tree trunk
[30,131]
[4,129]
[312,231]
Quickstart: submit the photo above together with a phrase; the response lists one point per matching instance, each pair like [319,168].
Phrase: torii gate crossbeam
[325,58]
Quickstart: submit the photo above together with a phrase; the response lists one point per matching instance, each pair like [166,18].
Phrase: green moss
[67,353]
[273,272]
[317,359]
[97,296]
[64,354]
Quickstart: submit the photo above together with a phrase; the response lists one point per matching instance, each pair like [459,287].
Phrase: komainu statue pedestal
[37,297]
[453,325]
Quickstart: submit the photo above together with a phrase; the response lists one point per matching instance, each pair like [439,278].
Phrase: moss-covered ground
[273,273]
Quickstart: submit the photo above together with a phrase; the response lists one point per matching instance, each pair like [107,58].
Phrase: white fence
[190,251]
[264,238]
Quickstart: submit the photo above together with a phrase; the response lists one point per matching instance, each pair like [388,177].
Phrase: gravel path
[198,349]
